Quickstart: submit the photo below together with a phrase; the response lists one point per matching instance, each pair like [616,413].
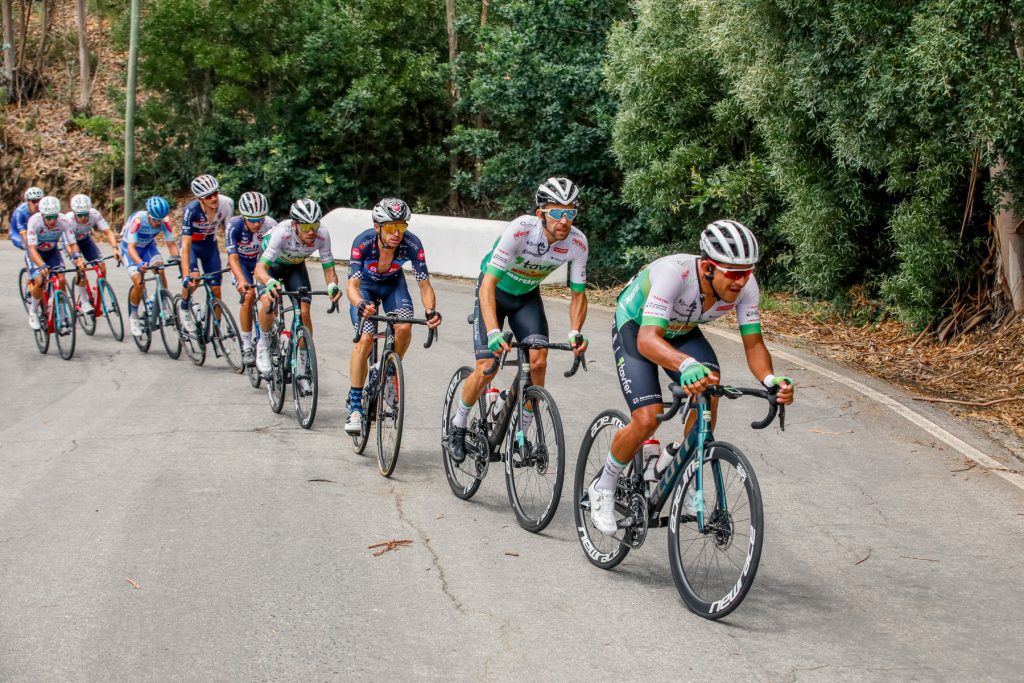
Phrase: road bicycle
[58,316]
[103,300]
[534,458]
[293,357]
[158,313]
[255,378]
[715,520]
[384,396]
[214,327]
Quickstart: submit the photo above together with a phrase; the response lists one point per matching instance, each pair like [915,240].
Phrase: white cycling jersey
[83,230]
[282,246]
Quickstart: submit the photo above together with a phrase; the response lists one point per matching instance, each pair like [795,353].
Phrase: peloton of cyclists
[43,234]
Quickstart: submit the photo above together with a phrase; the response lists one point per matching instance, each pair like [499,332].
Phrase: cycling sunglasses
[257,220]
[559,214]
[51,217]
[212,194]
[82,215]
[307,227]
[733,274]
[394,228]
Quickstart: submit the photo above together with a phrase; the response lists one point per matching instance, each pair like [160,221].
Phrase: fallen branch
[974,404]
[389,545]
[863,559]
[923,559]
[134,584]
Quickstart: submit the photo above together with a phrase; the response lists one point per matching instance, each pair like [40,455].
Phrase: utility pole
[129,111]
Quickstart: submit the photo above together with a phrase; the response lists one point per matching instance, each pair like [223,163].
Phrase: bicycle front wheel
[168,322]
[23,288]
[226,335]
[192,342]
[390,413]
[275,378]
[87,320]
[304,385]
[64,324]
[464,478]
[42,335]
[602,551]
[714,566]
[111,310]
[535,466]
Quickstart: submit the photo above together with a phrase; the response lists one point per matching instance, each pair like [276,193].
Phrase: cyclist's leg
[476,382]
[398,302]
[529,323]
[209,257]
[91,253]
[358,362]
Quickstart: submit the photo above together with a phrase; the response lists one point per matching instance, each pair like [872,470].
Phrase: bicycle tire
[464,478]
[87,321]
[722,527]
[602,551]
[255,378]
[168,323]
[23,287]
[226,335]
[528,467]
[360,440]
[275,378]
[193,344]
[64,324]
[42,335]
[390,413]
[304,413]
[112,310]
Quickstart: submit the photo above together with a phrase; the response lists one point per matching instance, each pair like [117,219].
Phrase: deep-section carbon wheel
[64,324]
[23,292]
[167,321]
[464,478]
[304,377]
[390,413]
[192,342]
[602,551]
[275,378]
[87,320]
[535,466]
[714,567]
[111,310]
[226,335]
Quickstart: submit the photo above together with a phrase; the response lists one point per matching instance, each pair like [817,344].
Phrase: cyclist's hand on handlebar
[143,267]
[694,377]
[191,279]
[334,291]
[366,308]
[787,388]
[242,288]
[433,319]
[273,288]
[119,259]
[496,343]
[580,347]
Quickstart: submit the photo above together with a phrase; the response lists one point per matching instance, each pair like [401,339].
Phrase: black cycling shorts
[638,376]
[292,277]
[525,314]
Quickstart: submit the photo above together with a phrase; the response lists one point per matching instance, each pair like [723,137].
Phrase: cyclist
[84,218]
[656,324]
[283,266]
[207,212]
[43,234]
[375,274]
[529,249]
[243,238]
[139,250]
[20,216]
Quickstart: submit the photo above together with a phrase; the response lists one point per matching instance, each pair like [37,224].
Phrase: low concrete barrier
[454,246]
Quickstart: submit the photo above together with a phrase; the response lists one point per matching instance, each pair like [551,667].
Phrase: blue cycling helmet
[157,207]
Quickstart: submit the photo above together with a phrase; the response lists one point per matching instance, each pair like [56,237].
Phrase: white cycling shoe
[136,325]
[86,306]
[263,358]
[33,319]
[354,424]
[602,509]
[188,322]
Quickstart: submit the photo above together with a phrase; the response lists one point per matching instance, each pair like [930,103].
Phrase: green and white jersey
[282,246]
[522,257]
[667,294]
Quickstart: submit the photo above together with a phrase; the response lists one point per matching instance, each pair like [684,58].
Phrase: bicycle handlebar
[774,407]
[539,344]
[395,320]
[98,261]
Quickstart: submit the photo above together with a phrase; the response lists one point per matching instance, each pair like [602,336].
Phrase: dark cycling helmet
[253,205]
[557,190]
[305,211]
[204,185]
[729,242]
[157,207]
[391,209]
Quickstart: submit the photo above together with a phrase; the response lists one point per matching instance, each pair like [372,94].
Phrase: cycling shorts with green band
[522,257]
[638,376]
[525,314]
[291,277]
[667,294]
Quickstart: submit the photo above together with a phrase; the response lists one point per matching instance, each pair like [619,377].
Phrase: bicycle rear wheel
[464,478]
[602,551]
[275,379]
[23,288]
[390,413]
[535,466]
[714,569]
[64,324]
[42,335]
[111,310]
[226,335]
[87,320]
[305,397]
[168,322]
[193,343]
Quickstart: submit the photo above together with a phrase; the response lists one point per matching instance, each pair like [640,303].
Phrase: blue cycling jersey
[366,258]
[19,222]
[196,225]
[244,242]
[140,232]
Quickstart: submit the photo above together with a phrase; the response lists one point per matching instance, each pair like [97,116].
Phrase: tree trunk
[1009,234]
[453,90]
[85,87]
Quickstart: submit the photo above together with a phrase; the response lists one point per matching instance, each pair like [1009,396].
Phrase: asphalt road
[159,522]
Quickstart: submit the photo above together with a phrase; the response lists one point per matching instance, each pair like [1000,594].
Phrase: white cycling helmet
[81,203]
[253,205]
[729,242]
[34,194]
[557,190]
[391,209]
[49,206]
[305,211]
[204,185]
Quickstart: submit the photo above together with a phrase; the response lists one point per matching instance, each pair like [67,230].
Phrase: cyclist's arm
[235,264]
[759,360]
[110,238]
[577,310]
[186,252]
[331,275]
[33,253]
[488,306]
[352,290]
[427,295]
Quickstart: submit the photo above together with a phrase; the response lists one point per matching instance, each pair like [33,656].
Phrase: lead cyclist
[656,325]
